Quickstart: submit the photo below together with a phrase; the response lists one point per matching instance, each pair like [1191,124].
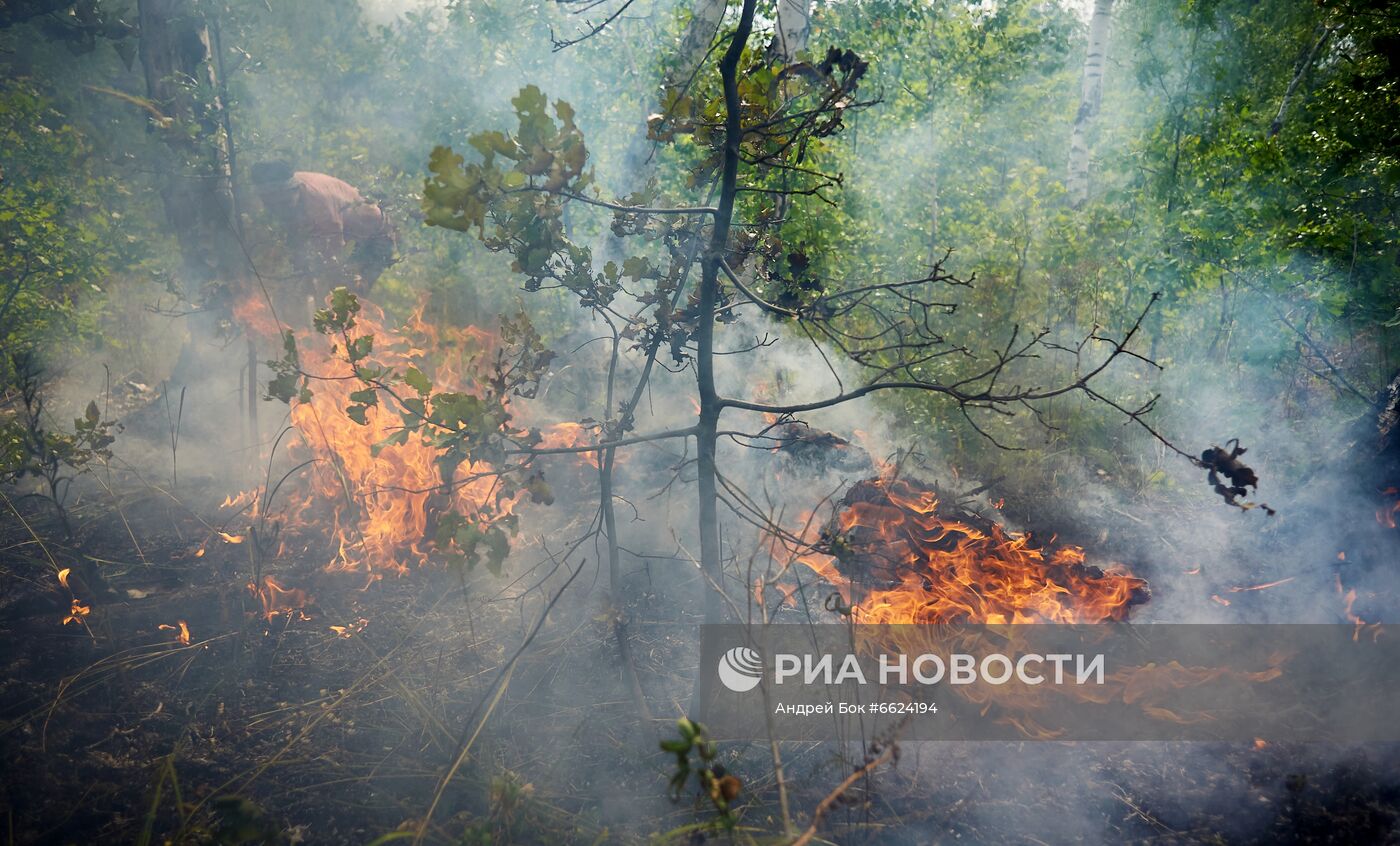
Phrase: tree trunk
[790,33]
[183,83]
[934,212]
[1299,72]
[639,166]
[791,30]
[706,437]
[639,163]
[705,19]
[1091,93]
[198,192]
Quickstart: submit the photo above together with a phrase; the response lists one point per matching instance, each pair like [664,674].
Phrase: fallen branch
[835,796]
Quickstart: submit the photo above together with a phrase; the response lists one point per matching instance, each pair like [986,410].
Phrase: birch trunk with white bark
[1091,94]
[793,26]
[705,18]
[639,164]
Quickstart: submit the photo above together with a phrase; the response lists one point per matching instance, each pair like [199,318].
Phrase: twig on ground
[836,795]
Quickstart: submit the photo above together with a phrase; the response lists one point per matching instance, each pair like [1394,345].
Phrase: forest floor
[276,727]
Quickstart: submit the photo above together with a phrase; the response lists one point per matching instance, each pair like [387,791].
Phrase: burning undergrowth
[898,552]
[351,685]
[355,498]
[364,469]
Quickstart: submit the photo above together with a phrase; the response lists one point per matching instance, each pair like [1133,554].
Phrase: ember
[1265,586]
[905,562]
[181,629]
[350,629]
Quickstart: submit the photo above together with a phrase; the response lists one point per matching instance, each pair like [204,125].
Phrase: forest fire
[522,567]
[896,559]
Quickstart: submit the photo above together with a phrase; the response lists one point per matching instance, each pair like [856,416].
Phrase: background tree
[184,87]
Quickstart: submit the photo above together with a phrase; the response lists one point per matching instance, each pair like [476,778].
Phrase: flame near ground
[897,559]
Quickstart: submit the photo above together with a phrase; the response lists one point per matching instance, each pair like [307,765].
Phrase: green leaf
[399,438]
[360,348]
[282,387]
[415,379]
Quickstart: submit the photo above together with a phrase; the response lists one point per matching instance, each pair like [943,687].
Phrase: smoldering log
[818,450]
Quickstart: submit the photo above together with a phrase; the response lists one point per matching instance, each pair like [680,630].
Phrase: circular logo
[740,669]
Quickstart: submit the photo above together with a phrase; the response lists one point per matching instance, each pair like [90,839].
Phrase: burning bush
[408,454]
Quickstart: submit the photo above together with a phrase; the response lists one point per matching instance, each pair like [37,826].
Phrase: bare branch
[825,806]
[617,207]
[593,30]
[574,450]
[753,297]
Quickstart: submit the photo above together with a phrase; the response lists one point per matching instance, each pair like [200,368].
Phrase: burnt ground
[282,730]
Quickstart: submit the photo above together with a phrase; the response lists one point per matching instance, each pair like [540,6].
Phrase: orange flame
[277,599]
[571,435]
[1389,515]
[895,559]
[182,631]
[932,569]
[350,629]
[240,499]
[379,500]
[76,612]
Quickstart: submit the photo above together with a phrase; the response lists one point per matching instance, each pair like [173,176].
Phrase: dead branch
[836,795]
